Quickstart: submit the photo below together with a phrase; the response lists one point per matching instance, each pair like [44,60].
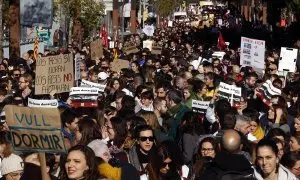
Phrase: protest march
[195,97]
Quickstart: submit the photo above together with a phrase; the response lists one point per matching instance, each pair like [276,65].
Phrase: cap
[102,76]
[11,164]
[99,147]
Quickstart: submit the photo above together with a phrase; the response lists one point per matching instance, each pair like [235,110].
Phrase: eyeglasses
[164,164]
[15,175]
[17,74]
[207,149]
[150,138]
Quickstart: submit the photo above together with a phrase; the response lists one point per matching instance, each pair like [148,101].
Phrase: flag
[115,53]
[35,48]
[221,43]
[104,36]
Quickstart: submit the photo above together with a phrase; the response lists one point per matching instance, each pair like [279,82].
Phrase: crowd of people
[144,126]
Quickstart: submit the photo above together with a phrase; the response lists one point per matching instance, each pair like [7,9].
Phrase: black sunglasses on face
[150,138]
[164,164]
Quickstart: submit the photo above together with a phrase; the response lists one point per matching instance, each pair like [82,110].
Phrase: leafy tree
[165,7]
[294,5]
[86,14]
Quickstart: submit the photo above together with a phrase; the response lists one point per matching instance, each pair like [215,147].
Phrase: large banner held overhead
[35,129]
[54,73]
[252,52]
[36,13]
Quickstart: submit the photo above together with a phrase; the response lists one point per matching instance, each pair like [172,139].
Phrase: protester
[12,167]
[268,165]
[80,164]
[187,107]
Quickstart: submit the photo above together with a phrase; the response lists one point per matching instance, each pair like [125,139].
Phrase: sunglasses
[164,164]
[150,138]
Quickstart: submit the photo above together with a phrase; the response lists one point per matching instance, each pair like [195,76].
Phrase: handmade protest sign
[96,49]
[85,83]
[119,64]
[130,49]
[49,103]
[147,44]
[230,92]
[199,106]
[252,52]
[84,97]
[54,73]
[156,48]
[288,59]
[35,129]
[267,90]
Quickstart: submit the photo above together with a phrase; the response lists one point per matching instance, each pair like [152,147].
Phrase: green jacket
[175,116]
[194,96]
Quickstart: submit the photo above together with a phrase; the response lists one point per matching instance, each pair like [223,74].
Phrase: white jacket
[283,174]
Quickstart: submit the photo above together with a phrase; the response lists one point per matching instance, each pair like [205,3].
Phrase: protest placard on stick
[35,129]
[230,92]
[199,106]
[96,49]
[54,73]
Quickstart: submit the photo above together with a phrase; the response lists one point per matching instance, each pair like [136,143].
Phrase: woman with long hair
[152,121]
[117,133]
[208,147]
[87,131]
[166,163]
[191,129]
[80,164]
[267,162]
[115,84]
[277,115]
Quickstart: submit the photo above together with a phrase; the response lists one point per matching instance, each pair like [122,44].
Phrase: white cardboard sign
[49,103]
[85,83]
[288,59]
[252,52]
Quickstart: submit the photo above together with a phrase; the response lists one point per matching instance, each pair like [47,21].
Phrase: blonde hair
[150,118]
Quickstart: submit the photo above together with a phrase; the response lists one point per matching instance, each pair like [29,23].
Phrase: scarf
[259,133]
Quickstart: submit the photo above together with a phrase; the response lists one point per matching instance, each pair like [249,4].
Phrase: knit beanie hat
[11,163]
[99,147]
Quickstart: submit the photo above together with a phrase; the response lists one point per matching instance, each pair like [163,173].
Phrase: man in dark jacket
[228,164]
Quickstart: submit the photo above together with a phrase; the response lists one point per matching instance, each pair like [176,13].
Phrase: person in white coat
[267,162]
